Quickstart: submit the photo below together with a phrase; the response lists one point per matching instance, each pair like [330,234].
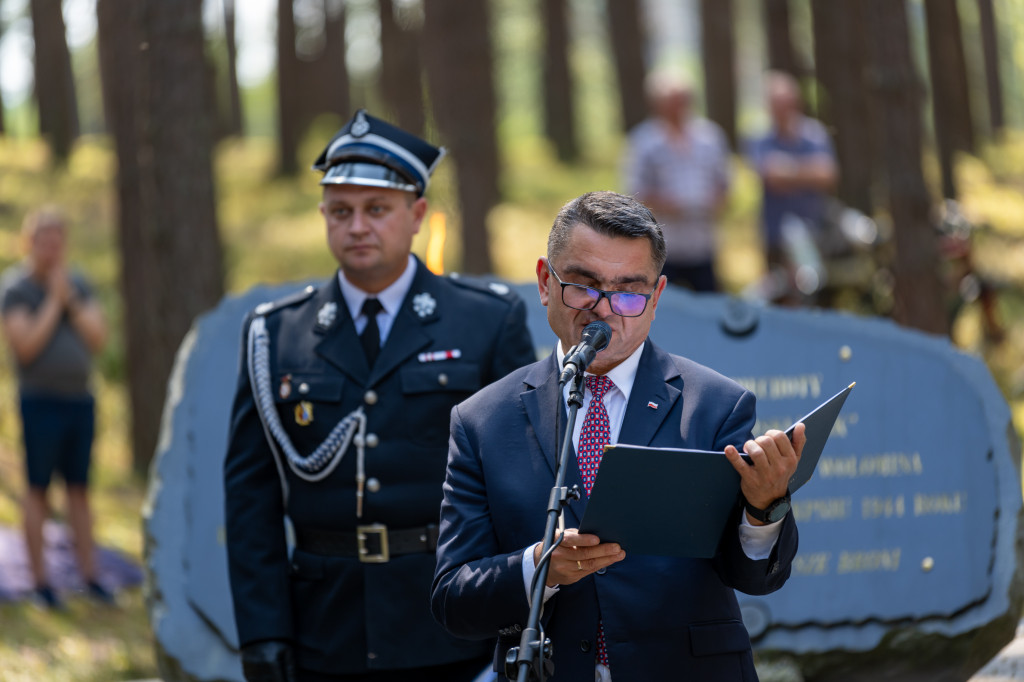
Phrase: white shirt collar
[622,375]
[391,297]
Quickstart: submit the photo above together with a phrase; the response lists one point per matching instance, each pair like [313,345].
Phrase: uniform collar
[391,297]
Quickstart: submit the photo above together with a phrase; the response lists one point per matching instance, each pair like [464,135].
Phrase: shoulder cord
[329,454]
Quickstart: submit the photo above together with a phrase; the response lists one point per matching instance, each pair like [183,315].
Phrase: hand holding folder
[638,487]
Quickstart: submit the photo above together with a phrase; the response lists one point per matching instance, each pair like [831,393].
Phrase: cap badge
[304,413]
[424,304]
[325,316]
[360,126]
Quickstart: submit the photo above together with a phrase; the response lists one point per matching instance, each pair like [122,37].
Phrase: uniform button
[373,485]
[372,440]
[370,397]
[303,388]
[585,645]
[370,655]
[601,571]
[442,379]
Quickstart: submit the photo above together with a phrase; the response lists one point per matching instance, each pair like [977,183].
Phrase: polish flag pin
[653,405]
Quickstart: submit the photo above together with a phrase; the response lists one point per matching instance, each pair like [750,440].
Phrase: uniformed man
[340,428]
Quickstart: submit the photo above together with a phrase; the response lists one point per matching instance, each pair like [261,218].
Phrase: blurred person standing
[677,164]
[796,164]
[340,428]
[53,326]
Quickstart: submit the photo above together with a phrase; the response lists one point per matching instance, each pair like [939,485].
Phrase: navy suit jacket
[664,618]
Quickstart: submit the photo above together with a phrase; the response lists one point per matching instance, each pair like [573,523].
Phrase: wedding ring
[579,566]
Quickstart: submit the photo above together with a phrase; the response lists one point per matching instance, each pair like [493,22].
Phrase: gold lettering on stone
[882,465]
[815,563]
[869,561]
[942,503]
[824,509]
[883,507]
[783,387]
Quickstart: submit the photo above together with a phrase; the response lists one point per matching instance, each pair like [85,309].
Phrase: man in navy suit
[624,617]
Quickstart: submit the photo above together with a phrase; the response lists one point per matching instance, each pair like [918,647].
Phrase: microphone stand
[532,657]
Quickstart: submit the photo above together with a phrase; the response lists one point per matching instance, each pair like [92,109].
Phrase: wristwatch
[775,511]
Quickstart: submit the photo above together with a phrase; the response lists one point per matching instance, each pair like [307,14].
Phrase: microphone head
[597,335]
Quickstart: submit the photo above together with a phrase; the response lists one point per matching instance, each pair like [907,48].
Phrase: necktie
[595,434]
[370,338]
[596,430]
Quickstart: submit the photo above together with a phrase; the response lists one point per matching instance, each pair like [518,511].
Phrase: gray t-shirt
[63,366]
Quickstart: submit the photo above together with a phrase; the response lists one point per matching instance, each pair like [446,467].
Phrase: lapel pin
[325,316]
[651,404]
[304,413]
[434,356]
[424,304]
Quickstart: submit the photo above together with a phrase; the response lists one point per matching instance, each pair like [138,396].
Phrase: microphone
[595,338]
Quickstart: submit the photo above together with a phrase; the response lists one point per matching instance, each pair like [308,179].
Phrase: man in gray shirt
[53,326]
[677,164]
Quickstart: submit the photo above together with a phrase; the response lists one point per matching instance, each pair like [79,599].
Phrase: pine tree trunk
[459,59]
[627,37]
[559,114]
[54,80]
[718,56]
[990,48]
[840,68]
[401,70]
[152,60]
[234,122]
[951,108]
[289,123]
[781,55]
[898,95]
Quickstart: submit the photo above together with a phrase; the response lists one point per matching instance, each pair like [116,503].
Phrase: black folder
[676,502]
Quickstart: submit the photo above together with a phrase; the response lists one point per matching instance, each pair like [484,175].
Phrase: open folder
[676,502]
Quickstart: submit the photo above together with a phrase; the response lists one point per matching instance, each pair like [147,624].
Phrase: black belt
[374,543]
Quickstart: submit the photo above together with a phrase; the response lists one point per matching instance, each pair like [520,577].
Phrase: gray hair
[610,214]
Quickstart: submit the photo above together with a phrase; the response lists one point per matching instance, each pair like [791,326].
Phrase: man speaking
[629,618]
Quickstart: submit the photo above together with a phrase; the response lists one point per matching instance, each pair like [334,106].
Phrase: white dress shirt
[390,298]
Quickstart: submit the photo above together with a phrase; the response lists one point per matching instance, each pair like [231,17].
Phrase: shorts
[58,433]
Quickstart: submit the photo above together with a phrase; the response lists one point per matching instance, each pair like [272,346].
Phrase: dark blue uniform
[344,614]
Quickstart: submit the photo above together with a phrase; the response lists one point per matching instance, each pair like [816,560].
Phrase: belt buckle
[363,533]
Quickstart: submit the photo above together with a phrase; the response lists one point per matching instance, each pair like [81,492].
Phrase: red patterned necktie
[596,431]
[595,434]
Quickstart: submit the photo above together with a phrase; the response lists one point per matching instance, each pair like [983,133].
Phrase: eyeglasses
[580,297]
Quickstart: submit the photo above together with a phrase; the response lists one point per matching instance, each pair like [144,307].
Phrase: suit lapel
[652,398]
[547,414]
[340,343]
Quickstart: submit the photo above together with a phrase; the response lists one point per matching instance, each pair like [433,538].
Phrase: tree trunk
[289,123]
[627,39]
[951,108]
[840,67]
[990,48]
[718,56]
[781,55]
[559,115]
[152,61]
[459,59]
[54,80]
[401,71]
[234,122]
[332,73]
[898,95]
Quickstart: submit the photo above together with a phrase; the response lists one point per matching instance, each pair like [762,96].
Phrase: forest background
[177,135]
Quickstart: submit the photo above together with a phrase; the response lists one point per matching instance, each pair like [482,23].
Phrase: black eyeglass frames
[580,297]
